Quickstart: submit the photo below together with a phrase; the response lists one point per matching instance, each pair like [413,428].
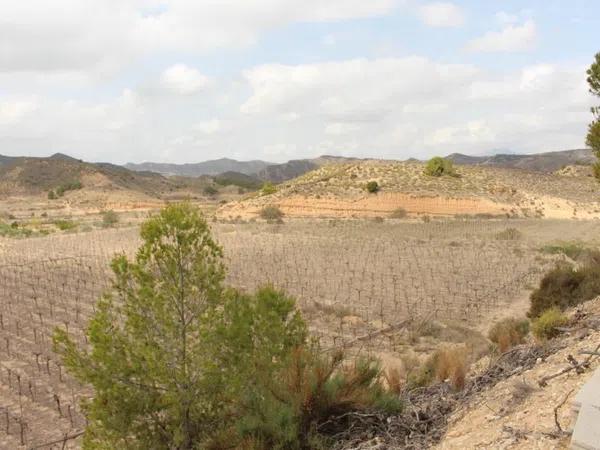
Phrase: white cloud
[442,14]
[183,79]
[14,111]
[209,126]
[75,85]
[390,107]
[473,132]
[101,36]
[340,128]
[357,90]
[510,39]
[505,18]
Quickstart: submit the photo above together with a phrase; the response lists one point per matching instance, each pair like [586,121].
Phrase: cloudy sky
[190,80]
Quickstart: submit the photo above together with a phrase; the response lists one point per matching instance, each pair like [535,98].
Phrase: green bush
[70,186]
[210,191]
[268,188]
[438,166]
[544,327]
[398,213]
[565,286]
[509,332]
[596,170]
[52,195]
[14,230]
[109,218]
[372,187]
[65,225]
[271,213]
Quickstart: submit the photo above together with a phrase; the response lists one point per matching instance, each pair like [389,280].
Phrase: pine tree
[148,360]
[593,136]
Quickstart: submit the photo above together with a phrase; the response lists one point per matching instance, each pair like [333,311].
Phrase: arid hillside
[37,175]
[60,182]
[339,190]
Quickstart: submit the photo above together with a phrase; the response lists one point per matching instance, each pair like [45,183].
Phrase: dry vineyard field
[354,280]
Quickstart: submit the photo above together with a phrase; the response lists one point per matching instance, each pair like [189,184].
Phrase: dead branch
[557,407]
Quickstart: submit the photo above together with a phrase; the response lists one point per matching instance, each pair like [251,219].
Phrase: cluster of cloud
[380,107]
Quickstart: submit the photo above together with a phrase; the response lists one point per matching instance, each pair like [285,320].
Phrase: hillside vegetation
[339,190]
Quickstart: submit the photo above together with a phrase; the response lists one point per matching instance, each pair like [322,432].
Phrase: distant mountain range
[538,162]
[277,173]
[213,167]
[261,170]
[44,173]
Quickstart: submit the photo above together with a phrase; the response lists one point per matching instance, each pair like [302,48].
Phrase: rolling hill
[338,190]
[33,176]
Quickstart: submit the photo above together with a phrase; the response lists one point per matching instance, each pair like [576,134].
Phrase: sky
[187,81]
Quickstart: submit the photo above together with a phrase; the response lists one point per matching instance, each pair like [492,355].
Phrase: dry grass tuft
[451,364]
[509,332]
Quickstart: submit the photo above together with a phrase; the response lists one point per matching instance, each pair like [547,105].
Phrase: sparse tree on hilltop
[438,166]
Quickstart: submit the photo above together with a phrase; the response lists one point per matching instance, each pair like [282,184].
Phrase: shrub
[268,188]
[447,363]
[51,195]
[571,249]
[596,170]
[509,234]
[65,225]
[398,213]
[210,191]
[271,213]
[14,230]
[565,286]
[544,327]
[372,187]
[438,166]
[70,186]
[509,332]
[307,392]
[109,218]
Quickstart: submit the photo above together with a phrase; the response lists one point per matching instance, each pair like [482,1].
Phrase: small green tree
[147,361]
[268,188]
[177,361]
[438,166]
[593,136]
[372,187]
